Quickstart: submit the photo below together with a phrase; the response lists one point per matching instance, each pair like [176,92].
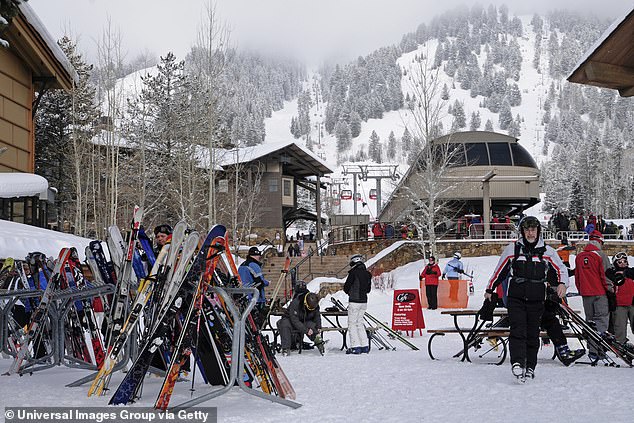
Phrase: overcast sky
[313,28]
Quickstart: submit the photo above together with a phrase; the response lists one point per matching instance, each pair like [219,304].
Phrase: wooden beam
[627,92]
[604,73]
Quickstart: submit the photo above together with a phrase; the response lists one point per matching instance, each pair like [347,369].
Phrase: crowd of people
[529,280]
[562,221]
[533,278]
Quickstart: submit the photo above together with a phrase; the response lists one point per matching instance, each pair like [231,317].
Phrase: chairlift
[373,194]
[358,196]
[346,194]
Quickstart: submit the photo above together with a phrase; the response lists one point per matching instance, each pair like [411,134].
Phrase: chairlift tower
[367,171]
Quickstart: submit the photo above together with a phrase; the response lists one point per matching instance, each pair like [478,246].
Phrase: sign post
[407,314]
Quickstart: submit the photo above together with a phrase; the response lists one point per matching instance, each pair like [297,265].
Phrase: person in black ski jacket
[304,318]
[357,286]
[525,263]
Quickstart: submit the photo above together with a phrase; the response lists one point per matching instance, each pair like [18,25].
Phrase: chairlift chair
[372,194]
[346,194]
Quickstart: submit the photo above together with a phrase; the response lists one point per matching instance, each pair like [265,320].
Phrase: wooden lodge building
[32,64]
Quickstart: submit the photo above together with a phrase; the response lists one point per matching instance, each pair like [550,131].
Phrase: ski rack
[238,360]
[8,299]
[60,303]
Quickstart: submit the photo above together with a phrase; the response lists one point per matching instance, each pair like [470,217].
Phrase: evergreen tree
[64,127]
[343,135]
[460,120]
[374,147]
[488,126]
[355,124]
[391,146]
[506,115]
[406,141]
[576,200]
[445,92]
[475,122]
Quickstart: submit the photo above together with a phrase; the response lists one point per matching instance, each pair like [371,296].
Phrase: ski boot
[365,350]
[285,352]
[518,372]
[529,374]
[354,350]
[320,344]
[568,356]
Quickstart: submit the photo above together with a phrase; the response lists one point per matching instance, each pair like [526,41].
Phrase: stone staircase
[312,267]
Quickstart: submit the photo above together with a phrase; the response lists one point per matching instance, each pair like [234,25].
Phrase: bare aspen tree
[209,64]
[426,183]
[110,63]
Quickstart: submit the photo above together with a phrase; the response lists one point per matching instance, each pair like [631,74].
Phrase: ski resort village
[280,211]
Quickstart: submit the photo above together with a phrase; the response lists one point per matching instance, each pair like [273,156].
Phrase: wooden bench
[497,337]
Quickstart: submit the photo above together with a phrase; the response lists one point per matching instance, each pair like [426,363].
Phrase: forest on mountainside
[106,149]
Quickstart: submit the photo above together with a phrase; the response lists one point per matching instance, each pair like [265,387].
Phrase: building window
[477,154]
[223,185]
[287,188]
[521,157]
[500,153]
[274,185]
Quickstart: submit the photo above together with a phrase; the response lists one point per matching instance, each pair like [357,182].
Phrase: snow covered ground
[385,386]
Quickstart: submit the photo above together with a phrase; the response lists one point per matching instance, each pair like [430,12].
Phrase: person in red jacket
[622,275]
[429,277]
[593,285]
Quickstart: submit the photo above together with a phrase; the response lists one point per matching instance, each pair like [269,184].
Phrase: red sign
[407,314]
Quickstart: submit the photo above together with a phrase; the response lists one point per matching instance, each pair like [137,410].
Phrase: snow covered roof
[17,240]
[297,153]
[22,185]
[28,36]
[609,63]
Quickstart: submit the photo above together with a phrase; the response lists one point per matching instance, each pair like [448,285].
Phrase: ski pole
[282,278]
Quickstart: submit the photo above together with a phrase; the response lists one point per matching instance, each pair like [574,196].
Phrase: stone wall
[410,251]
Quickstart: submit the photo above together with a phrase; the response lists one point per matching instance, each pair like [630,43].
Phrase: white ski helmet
[457,255]
[356,259]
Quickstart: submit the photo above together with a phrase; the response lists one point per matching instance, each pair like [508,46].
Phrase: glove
[443,276]
[486,312]
[611,301]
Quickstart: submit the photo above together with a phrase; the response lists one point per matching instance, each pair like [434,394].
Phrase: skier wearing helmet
[525,263]
[357,286]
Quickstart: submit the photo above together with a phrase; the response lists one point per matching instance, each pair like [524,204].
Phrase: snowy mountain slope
[533,83]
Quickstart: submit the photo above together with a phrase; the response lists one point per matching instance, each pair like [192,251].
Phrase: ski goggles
[620,256]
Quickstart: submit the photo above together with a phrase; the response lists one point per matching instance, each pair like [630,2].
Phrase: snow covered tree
[391,146]
[344,137]
[355,124]
[460,120]
[475,121]
[374,147]
[64,127]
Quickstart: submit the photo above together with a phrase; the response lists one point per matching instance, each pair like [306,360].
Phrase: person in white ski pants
[358,285]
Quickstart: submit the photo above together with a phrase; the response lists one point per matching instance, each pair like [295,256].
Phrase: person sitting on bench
[303,318]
